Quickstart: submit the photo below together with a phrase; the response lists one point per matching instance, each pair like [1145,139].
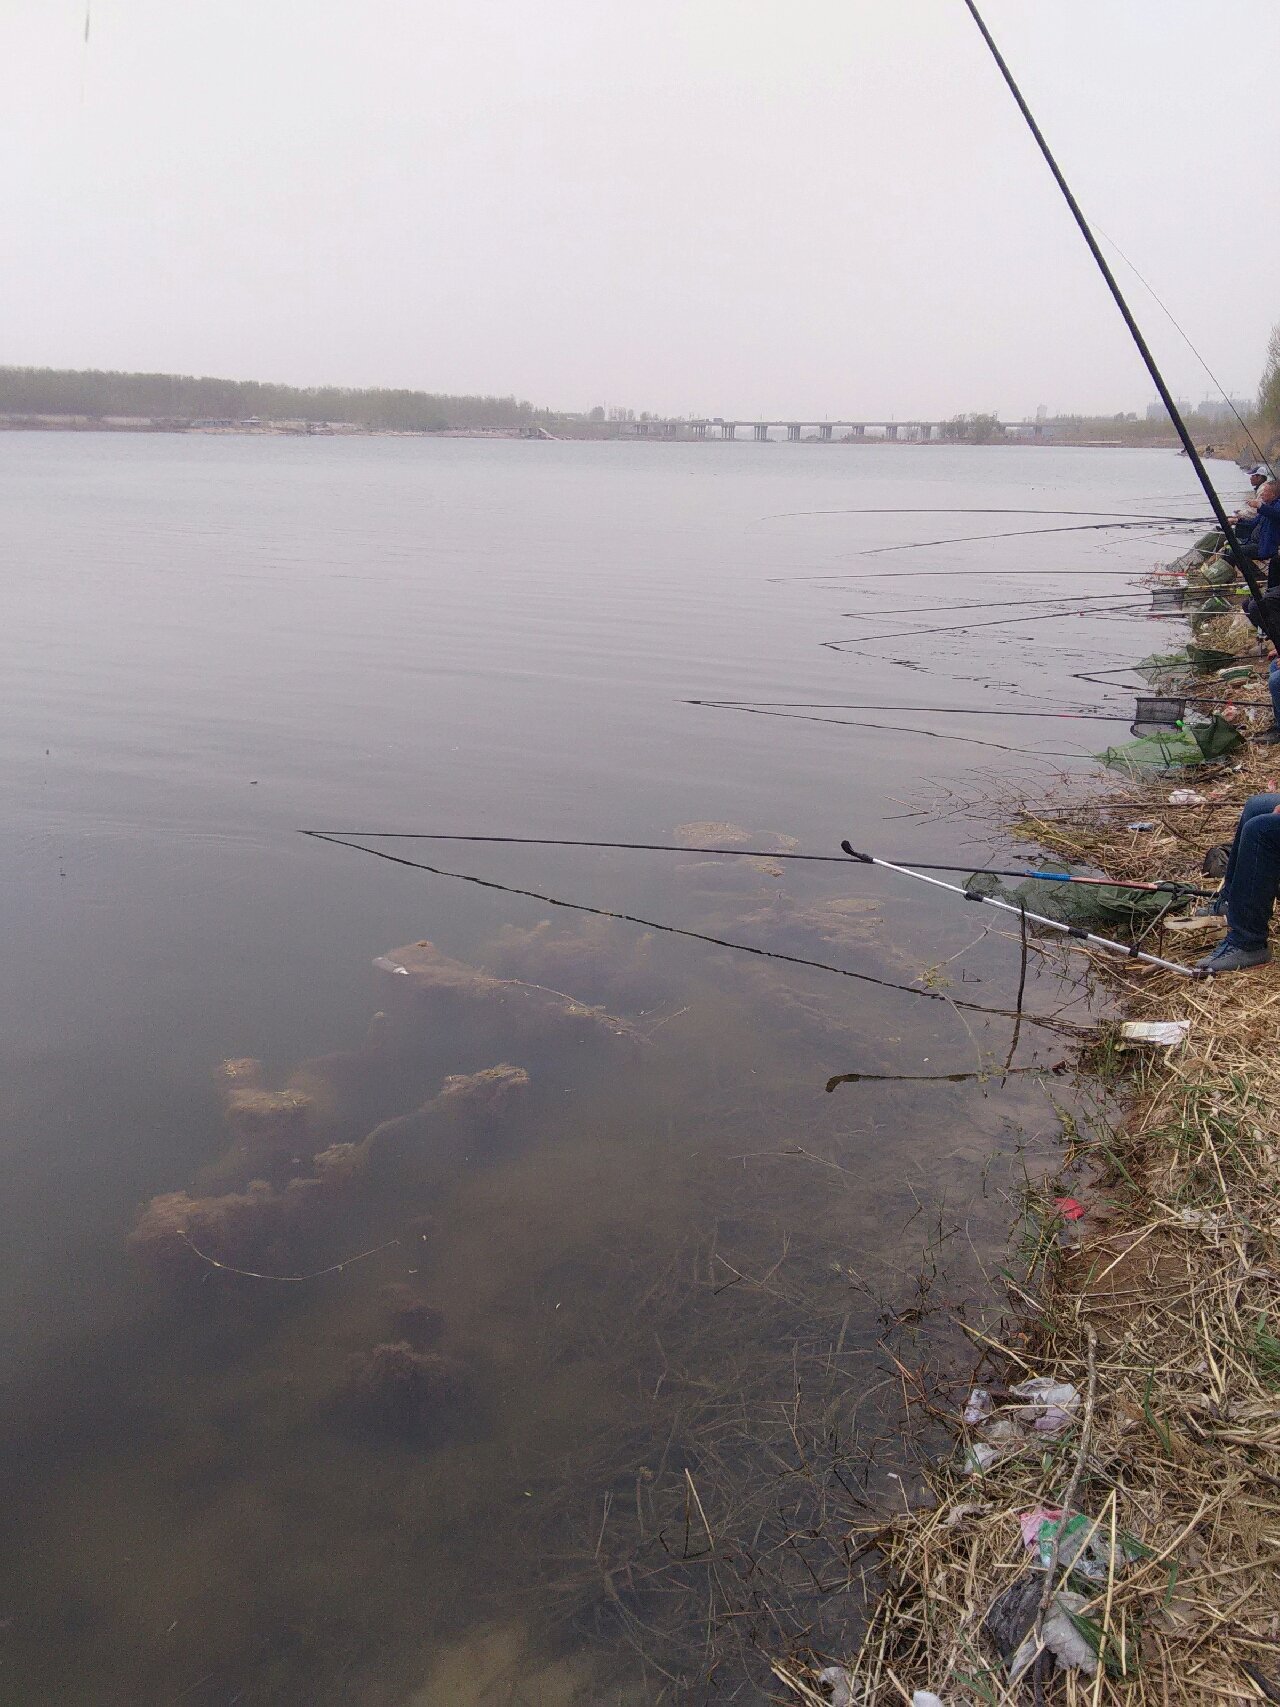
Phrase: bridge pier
[728,429]
[761,429]
[926,432]
[699,429]
[857,430]
[891,430]
[793,432]
[824,432]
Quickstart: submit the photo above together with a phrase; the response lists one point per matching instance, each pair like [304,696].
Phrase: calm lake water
[663,1259]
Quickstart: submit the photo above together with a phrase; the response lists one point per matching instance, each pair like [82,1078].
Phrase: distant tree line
[1269,388]
[973,429]
[170,396]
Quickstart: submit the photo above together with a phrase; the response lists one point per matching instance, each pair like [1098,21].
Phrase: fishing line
[964,627]
[1169,316]
[904,729]
[894,574]
[696,936]
[942,710]
[959,510]
[345,837]
[986,604]
[1269,622]
[1032,533]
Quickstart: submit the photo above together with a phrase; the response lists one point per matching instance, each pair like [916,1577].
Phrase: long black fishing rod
[1156,522]
[993,622]
[1269,622]
[697,936]
[350,836]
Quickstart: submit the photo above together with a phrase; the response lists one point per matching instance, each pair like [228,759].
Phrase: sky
[709,207]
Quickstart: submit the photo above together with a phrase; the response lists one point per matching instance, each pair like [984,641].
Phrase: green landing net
[1197,744]
[1099,907]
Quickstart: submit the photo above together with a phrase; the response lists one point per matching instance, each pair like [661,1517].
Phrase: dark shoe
[1215,909]
[1268,737]
[1224,959]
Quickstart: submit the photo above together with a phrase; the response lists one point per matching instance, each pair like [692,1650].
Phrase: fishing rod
[1129,951]
[994,622]
[1154,522]
[901,728]
[997,604]
[959,510]
[941,710]
[1268,621]
[1048,1023]
[893,574]
[731,853]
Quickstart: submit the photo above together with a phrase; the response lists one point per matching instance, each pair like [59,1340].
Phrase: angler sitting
[1245,520]
[1263,544]
[1249,888]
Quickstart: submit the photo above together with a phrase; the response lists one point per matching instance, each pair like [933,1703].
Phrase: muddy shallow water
[595,1418]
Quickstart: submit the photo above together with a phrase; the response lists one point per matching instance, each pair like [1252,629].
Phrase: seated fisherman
[1249,888]
[1245,519]
[1263,544]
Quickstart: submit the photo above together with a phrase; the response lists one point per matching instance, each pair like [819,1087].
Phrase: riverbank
[1145,1290]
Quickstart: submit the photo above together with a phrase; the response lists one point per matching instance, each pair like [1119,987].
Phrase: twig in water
[1022,985]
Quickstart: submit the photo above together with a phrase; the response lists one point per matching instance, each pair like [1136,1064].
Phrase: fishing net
[1091,906]
[1209,658]
[1196,745]
[1157,665]
[1155,713]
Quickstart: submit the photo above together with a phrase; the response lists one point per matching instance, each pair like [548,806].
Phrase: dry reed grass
[1175,1270]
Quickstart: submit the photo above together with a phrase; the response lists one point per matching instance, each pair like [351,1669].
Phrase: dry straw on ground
[1175,1270]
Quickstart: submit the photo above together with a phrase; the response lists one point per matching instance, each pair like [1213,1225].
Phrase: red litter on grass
[1068,1208]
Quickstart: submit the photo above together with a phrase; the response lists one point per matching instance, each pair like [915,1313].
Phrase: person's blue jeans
[1253,872]
[1273,684]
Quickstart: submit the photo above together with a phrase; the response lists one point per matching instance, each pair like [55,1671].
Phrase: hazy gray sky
[720,206]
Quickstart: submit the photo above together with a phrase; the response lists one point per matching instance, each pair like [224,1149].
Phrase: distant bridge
[715,427]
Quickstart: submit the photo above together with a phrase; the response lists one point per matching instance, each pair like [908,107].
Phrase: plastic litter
[385,965]
[1069,1208]
[839,1680]
[1039,1408]
[1187,797]
[926,1698]
[1061,1638]
[1031,1522]
[979,1457]
[978,1407]
[1142,824]
[1164,1033]
[1048,1406]
[1085,1549]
